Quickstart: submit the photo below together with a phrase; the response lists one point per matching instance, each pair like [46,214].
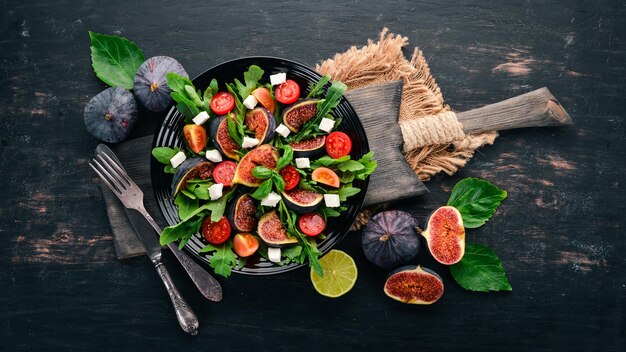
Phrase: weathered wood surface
[538,108]
[560,234]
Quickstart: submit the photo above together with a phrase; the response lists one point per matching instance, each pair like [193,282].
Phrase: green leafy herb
[309,248]
[369,166]
[350,165]
[182,230]
[328,161]
[316,90]
[193,96]
[164,154]
[476,200]
[185,205]
[278,182]
[346,191]
[324,107]
[263,190]
[177,82]
[115,60]
[286,158]
[261,172]
[480,270]
[185,105]
[223,260]
[251,79]
[291,254]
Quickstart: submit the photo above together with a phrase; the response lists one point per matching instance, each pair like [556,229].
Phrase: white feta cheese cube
[303,163]
[278,78]
[249,142]
[273,254]
[250,102]
[331,200]
[177,159]
[282,130]
[215,191]
[271,200]
[201,118]
[327,125]
[213,155]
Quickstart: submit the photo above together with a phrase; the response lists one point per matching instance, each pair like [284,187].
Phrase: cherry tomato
[288,92]
[195,136]
[338,144]
[245,244]
[222,103]
[216,232]
[225,172]
[264,97]
[311,224]
[291,176]
[326,176]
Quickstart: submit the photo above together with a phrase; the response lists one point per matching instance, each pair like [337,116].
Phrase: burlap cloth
[425,120]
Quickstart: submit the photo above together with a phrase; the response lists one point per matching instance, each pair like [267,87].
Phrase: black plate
[169,135]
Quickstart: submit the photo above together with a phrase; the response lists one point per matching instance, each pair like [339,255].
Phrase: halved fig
[445,235]
[302,201]
[262,123]
[263,155]
[241,213]
[272,232]
[309,148]
[298,113]
[414,285]
[191,168]
[221,139]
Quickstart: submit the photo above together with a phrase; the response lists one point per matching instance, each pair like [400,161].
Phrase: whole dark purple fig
[390,239]
[110,115]
[151,83]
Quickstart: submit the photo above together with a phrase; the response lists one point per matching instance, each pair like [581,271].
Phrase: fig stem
[418,230]
[108,116]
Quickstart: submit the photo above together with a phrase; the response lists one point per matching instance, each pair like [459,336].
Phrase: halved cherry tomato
[225,172]
[291,176]
[195,136]
[311,224]
[326,176]
[264,97]
[245,244]
[338,144]
[216,232]
[222,103]
[288,92]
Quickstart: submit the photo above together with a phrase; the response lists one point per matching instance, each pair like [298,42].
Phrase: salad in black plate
[263,169]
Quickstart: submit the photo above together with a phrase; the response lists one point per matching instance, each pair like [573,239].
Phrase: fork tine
[120,170]
[123,184]
[119,186]
[105,180]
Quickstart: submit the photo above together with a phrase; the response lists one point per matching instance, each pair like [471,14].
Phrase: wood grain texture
[559,234]
[538,108]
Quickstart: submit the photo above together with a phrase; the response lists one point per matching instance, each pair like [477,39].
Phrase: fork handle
[186,317]
[205,282]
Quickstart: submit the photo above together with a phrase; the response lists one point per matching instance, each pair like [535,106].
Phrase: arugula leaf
[233,130]
[185,205]
[318,89]
[278,181]
[199,189]
[177,82]
[184,229]
[346,191]
[264,189]
[346,177]
[184,105]
[114,59]
[350,165]
[309,248]
[291,254]
[286,158]
[328,161]
[261,172]
[480,270]
[168,169]
[193,96]
[476,200]
[332,99]
[223,259]
[368,164]
[164,154]
[214,86]
[188,193]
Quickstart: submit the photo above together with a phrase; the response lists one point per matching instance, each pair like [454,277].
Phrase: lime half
[340,274]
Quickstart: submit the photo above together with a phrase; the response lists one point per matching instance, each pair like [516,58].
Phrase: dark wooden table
[560,233]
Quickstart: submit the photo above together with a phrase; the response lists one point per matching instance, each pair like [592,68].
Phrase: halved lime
[340,274]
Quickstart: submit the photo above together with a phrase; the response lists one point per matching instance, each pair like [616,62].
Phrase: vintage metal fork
[116,178]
